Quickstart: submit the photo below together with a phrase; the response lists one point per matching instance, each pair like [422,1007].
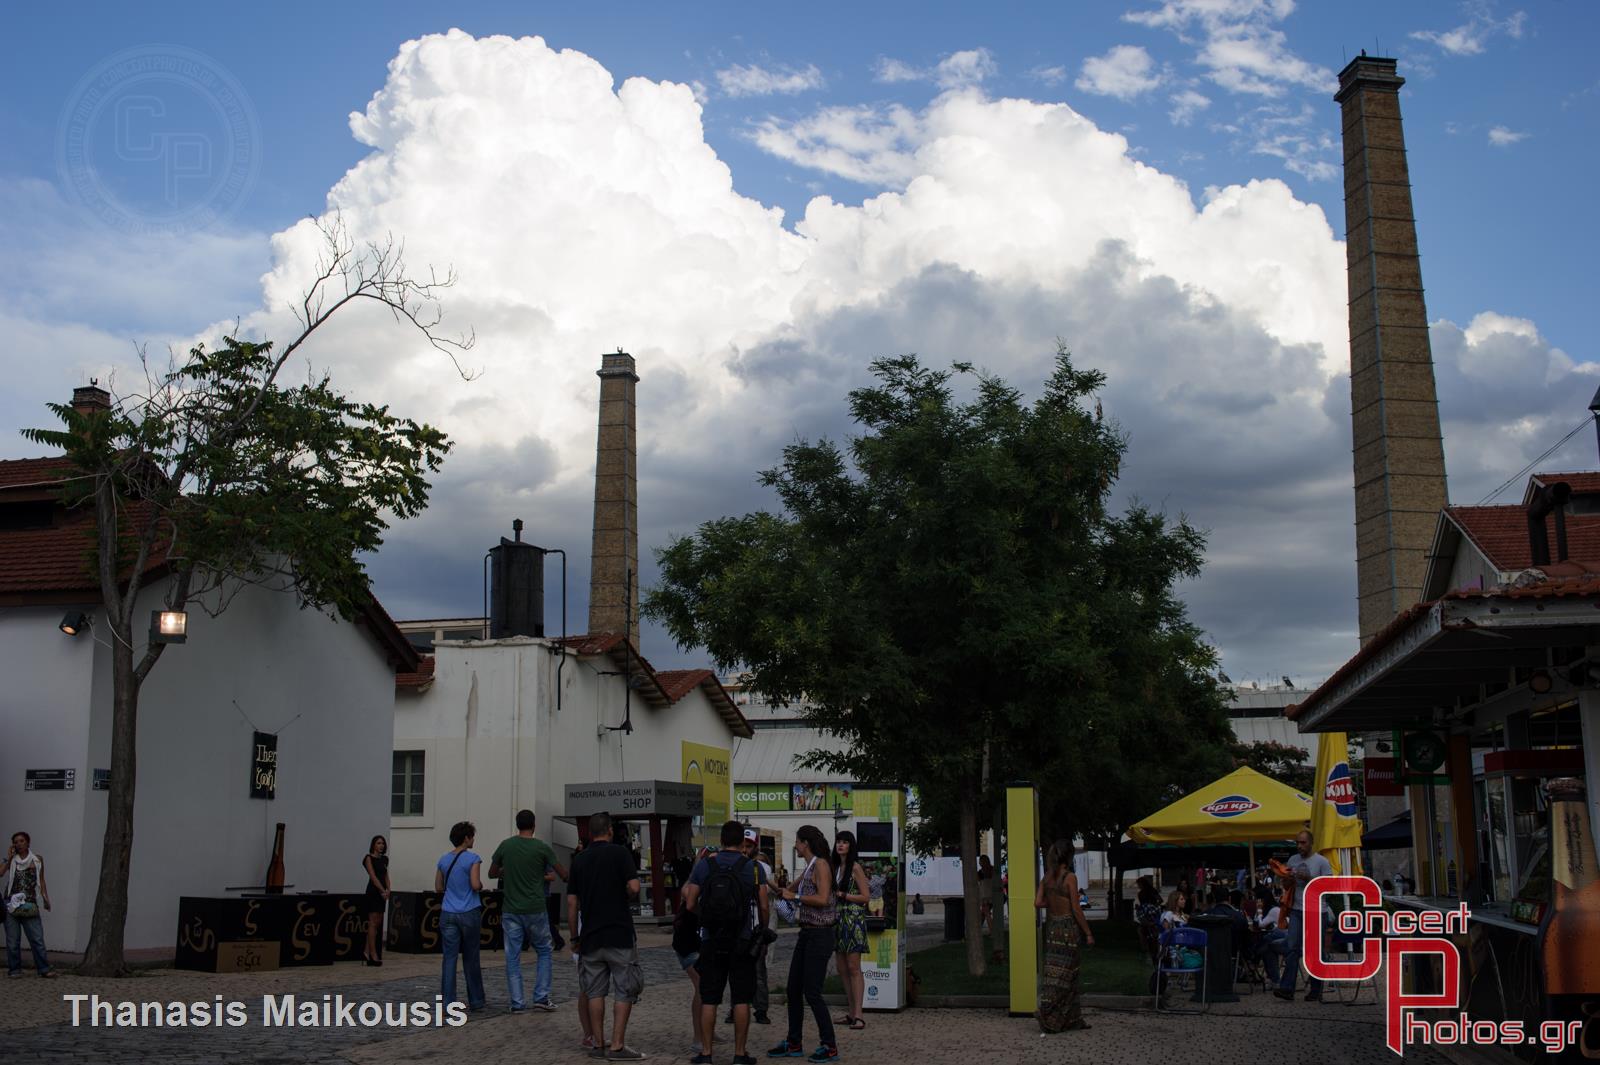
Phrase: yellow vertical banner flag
[712,769]
[1335,823]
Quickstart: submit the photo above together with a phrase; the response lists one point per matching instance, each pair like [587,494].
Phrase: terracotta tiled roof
[20,473]
[418,680]
[1586,482]
[1501,533]
[1557,586]
[55,564]
[680,682]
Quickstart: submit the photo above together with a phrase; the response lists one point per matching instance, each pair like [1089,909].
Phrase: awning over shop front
[1242,807]
[1438,659]
[1395,835]
[1131,855]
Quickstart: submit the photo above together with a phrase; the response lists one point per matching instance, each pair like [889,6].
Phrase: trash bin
[1219,958]
[955,919]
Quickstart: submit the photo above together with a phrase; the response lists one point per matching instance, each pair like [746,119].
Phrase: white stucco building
[488,727]
[325,688]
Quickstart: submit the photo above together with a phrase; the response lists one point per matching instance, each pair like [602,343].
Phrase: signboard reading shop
[634,798]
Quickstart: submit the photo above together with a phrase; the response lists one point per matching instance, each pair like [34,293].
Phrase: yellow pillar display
[1022,870]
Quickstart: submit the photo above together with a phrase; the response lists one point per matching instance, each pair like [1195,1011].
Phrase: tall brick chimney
[90,398]
[614,559]
[1398,449]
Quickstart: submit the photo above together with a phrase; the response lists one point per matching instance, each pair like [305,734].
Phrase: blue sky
[898,115]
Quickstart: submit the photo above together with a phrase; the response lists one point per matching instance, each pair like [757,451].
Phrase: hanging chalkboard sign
[264,766]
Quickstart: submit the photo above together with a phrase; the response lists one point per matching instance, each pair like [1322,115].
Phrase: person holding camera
[720,892]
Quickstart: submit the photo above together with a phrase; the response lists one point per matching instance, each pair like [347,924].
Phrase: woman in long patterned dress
[1059,1010]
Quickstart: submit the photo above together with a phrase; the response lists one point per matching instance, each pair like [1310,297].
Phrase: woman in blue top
[461,913]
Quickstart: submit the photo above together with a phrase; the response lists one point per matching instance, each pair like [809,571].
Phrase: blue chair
[1167,965]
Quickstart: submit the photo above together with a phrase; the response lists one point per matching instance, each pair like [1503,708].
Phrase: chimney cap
[617,364]
[1370,72]
[91,397]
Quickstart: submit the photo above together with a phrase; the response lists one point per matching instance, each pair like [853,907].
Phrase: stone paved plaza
[1257,1029]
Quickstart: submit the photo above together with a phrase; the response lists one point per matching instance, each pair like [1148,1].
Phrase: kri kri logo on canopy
[1230,806]
[1419,934]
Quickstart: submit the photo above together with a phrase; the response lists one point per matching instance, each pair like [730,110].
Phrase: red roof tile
[1501,533]
[418,680]
[680,682]
[27,473]
[56,563]
[1586,482]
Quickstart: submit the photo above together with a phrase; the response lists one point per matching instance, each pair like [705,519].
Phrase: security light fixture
[169,626]
[1539,682]
[75,622]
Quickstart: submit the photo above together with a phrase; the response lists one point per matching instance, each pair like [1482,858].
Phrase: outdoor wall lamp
[1539,682]
[75,622]
[169,626]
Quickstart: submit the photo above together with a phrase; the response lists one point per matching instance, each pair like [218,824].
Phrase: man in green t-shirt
[521,863]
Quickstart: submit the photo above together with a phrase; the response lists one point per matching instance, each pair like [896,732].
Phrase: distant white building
[485,728]
[322,691]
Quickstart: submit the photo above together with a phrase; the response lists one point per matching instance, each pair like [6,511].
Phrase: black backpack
[725,902]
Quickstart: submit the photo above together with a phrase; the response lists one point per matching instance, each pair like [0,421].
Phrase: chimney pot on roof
[90,398]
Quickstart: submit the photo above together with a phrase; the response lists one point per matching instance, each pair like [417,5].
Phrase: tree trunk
[103,955]
[969,880]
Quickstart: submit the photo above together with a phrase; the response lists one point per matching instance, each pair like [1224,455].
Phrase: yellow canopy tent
[1335,825]
[1242,807]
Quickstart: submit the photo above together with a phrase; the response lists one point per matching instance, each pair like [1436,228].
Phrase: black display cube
[349,928]
[414,922]
[208,929]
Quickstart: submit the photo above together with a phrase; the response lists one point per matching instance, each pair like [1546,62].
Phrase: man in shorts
[732,882]
[600,893]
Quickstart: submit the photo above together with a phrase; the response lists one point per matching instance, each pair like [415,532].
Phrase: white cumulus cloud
[1186,105]
[1502,137]
[1125,72]
[754,80]
[583,215]
[1472,37]
[956,70]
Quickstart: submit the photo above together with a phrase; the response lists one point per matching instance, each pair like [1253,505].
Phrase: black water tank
[516,587]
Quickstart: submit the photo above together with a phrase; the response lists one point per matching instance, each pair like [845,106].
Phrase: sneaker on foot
[743,1059]
[546,1005]
[787,1049]
[588,1043]
[624,1054]
[702,1059]
[762,1018]
[824,1053]
[1287,996]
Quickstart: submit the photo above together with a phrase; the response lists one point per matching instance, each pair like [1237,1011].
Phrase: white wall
[322,684]
[495,743]
[44,724]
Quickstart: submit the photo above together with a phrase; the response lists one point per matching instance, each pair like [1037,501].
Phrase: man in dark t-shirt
[603,885]
[728,955]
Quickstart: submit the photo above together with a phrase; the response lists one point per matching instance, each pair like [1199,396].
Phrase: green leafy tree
[950,593]
[217,476]
[1282,762]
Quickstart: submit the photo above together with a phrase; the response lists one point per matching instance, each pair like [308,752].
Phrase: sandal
[857,1023]
[844,1021]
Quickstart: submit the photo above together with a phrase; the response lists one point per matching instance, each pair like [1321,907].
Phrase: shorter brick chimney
[90,398]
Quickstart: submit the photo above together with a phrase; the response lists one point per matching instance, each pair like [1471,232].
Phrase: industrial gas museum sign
[635,798]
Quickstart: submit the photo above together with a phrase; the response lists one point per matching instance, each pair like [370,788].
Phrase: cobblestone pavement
[36,1015]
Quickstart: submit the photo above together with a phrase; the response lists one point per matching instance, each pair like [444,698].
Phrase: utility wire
[1520,474]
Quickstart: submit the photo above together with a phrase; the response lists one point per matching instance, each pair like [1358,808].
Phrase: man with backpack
[721,891]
